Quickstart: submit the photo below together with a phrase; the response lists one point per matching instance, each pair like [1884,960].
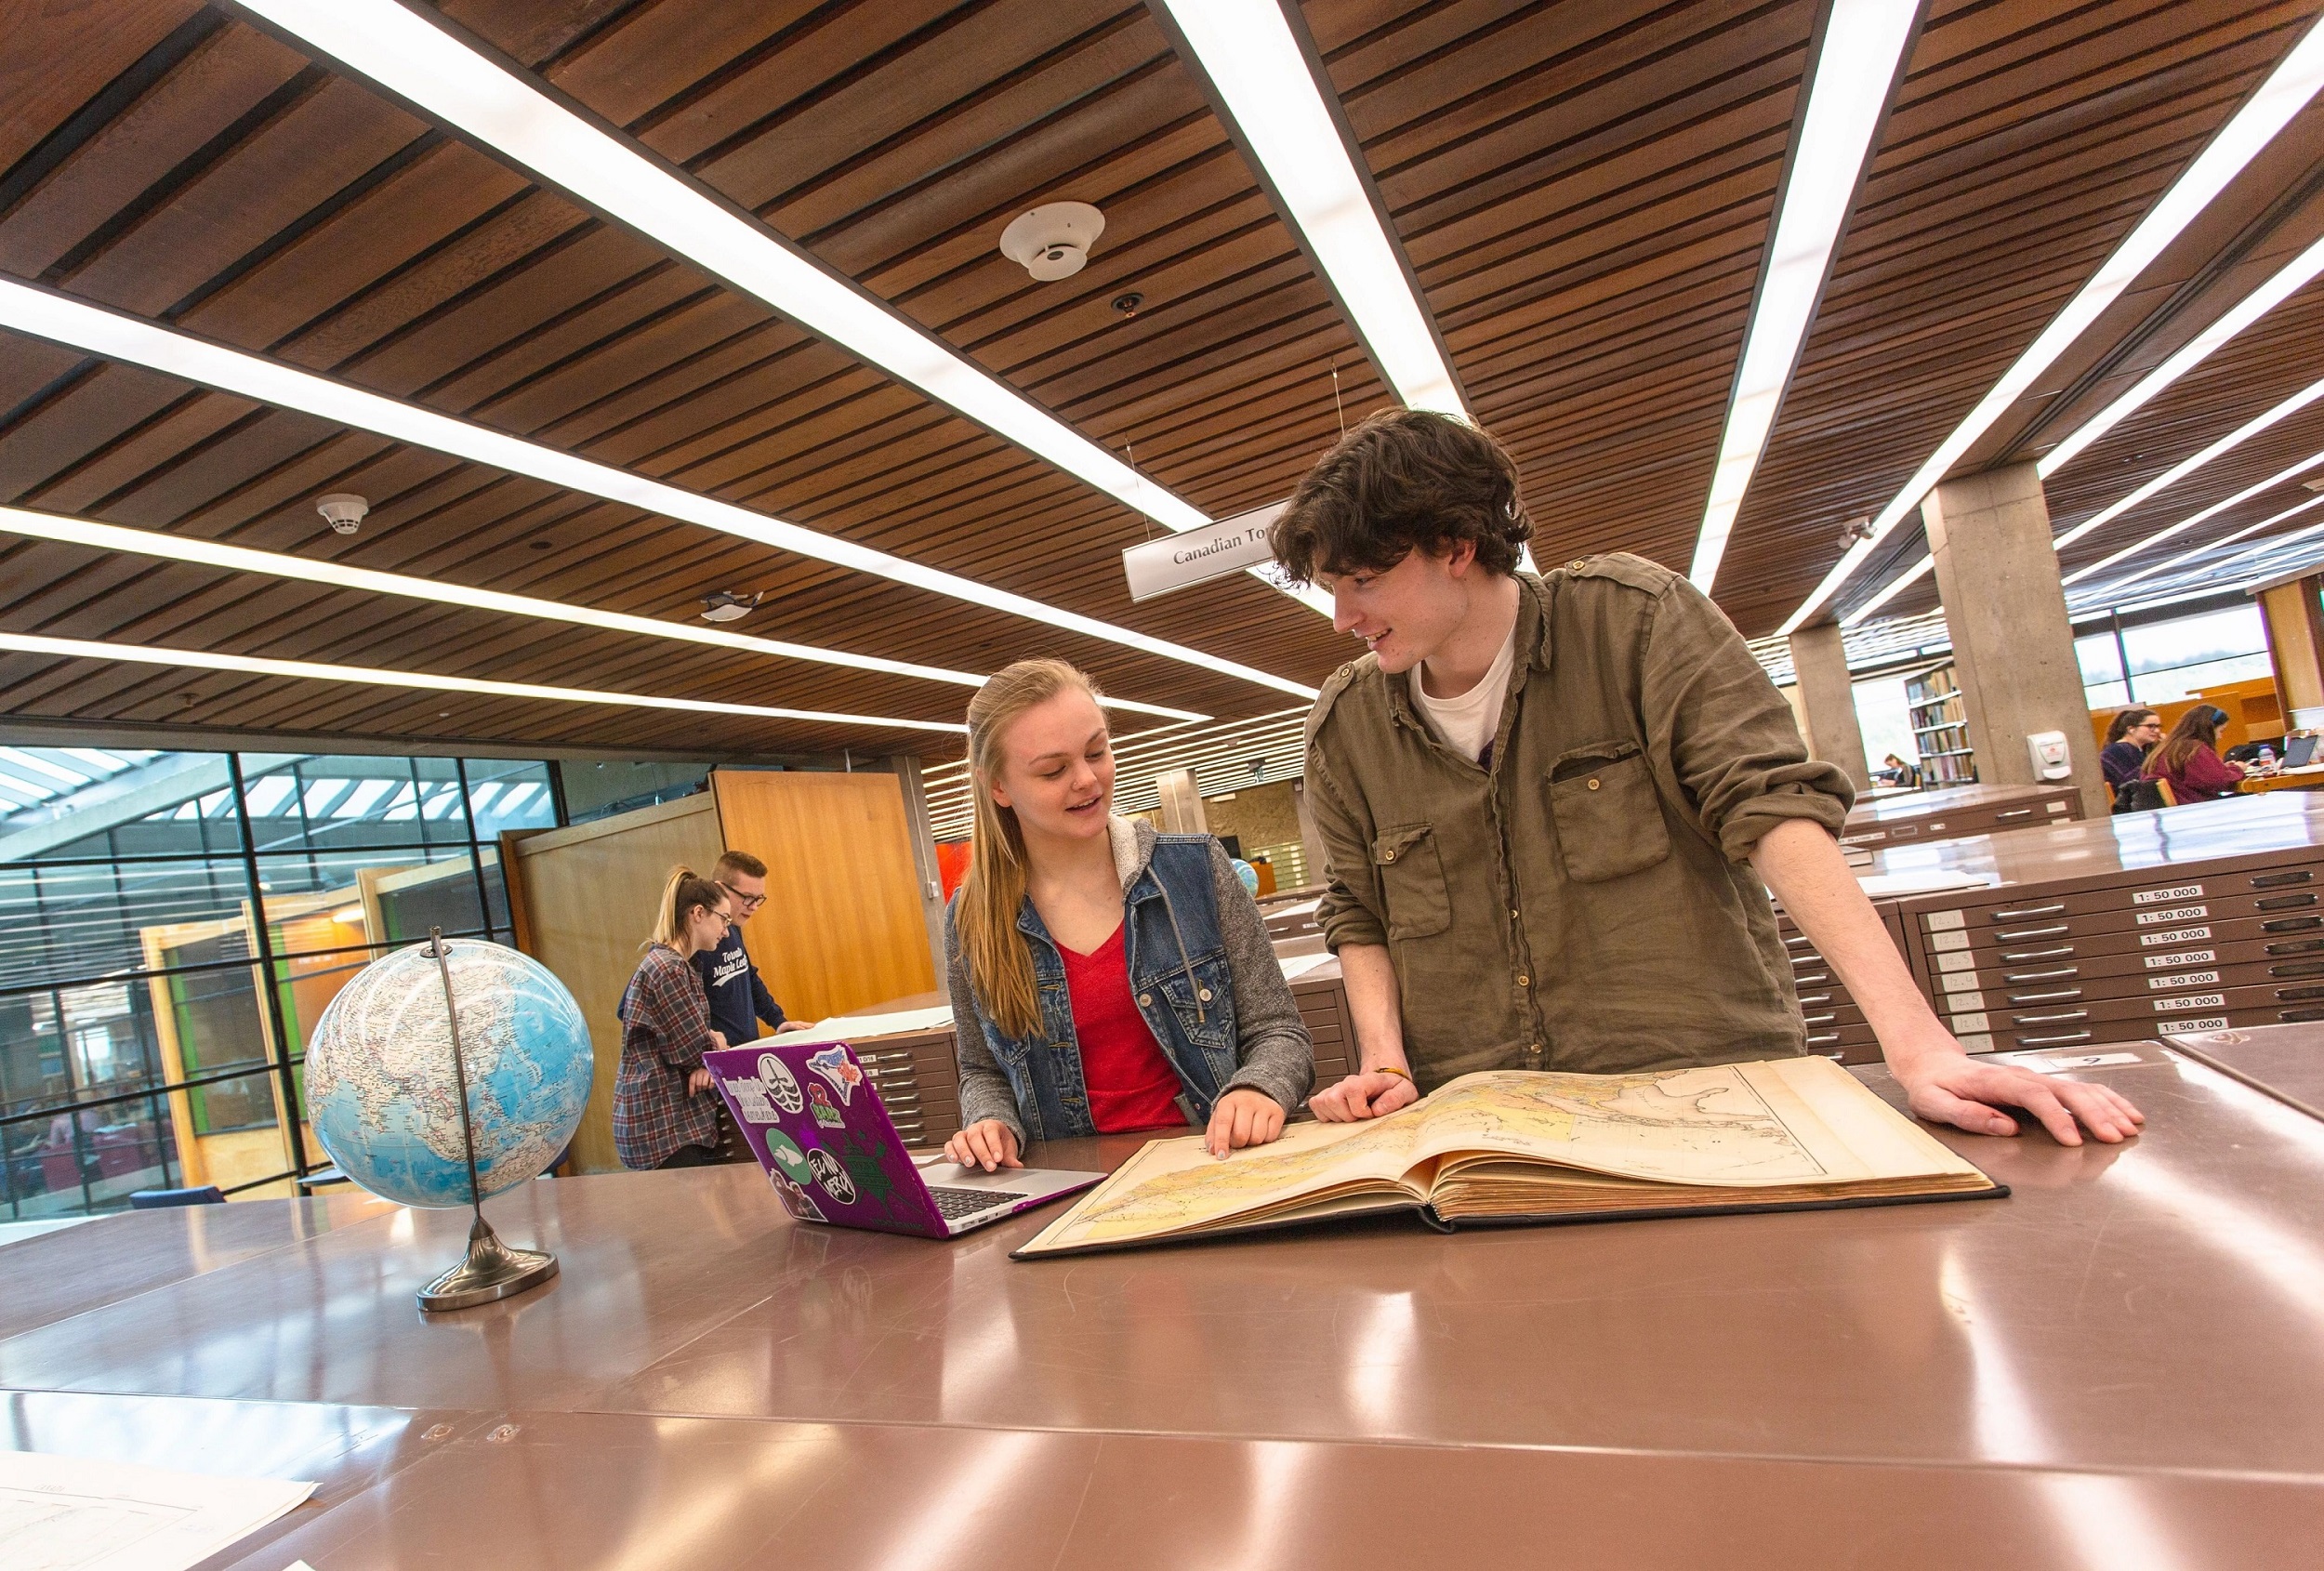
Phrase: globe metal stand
[491,1270]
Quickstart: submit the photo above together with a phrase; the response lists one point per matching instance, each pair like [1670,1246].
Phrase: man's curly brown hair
[1405,480]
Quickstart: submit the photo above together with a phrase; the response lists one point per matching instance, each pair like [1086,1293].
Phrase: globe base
[492,1271]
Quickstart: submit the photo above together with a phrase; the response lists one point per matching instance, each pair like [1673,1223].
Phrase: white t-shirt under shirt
[1468,721]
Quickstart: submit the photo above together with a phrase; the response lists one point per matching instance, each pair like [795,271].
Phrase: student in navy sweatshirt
[739,1000]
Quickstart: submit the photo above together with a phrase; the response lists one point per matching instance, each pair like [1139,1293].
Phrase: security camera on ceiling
[343,510]
[727,606]
[1052,240]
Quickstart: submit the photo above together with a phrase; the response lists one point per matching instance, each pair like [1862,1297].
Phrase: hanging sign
[1213,551]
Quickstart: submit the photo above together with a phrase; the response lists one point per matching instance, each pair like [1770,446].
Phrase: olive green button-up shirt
[1580,900]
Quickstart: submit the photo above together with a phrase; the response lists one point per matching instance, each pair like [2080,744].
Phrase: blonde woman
[1105,977]
[666,1112]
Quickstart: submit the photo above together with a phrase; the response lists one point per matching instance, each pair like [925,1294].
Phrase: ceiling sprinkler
[728,606]
[343,510]
[1855,529]
[1053,241]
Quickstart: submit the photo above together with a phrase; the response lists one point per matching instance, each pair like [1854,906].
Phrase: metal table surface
[2127,1345]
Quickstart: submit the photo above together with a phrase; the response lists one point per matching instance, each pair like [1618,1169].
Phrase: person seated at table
[2188,759]
[1893,771]
[2130,736]
[666,1110]
[1105,977]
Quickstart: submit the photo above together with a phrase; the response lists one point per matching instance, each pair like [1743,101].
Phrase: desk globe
[384,1091]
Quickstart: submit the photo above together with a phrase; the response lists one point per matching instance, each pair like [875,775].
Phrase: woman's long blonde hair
[999,966]
[683,891]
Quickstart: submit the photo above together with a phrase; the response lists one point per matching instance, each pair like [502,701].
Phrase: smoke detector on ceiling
[343,510]
[727,606]
[1052,240]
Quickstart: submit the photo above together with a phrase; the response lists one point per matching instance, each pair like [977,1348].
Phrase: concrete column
[1829,701]
[907,769]
[2013,642]
[2295,643]
[1181,803]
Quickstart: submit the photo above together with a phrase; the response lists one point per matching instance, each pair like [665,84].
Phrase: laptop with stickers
[817,1126]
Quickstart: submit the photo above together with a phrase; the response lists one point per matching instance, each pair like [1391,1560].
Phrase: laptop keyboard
[953,1204]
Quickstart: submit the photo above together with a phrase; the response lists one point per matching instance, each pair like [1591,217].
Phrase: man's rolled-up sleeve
[1351,909]
[1719,727]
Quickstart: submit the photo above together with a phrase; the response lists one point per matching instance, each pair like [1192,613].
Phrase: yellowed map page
[1782,1121]
[1173,1186]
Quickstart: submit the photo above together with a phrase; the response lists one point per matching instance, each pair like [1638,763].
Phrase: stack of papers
[67,1513]
[850,1027]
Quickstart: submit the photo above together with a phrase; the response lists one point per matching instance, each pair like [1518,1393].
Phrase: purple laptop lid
[819,1130]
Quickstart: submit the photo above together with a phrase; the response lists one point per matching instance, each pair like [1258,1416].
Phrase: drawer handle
[2292,924]
[2297,947]
[2016,812]
[1821,1019]
[2298,967]
[2299,994]
[2049,975]
[2060,997]
[2057,1041]
[2055,952]
[2034,932]
[1807,1000]
[2058,1019]
[1818,978]
[2283,902]
[2277,880]
[1829,1036]
[2024,911]
[1801,941]
[2289,1016]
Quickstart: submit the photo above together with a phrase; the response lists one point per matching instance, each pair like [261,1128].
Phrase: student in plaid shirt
[666,1112]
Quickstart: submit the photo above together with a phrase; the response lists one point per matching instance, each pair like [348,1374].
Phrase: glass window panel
[2100,660]
[318,900]
[442,894]
[2192,641]
[59,922]
[2168,684]
[69,1162]
[135,810]
[507,793]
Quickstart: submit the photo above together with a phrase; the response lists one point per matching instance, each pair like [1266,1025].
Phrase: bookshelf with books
[1940,727]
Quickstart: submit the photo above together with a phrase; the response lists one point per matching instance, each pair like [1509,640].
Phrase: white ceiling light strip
[307,570]
[2178,471]
[2286,280]
[2169,477]
[308,671]
[1247,50]
[2246,495]
[1863,46]
[2284,94]
[394,46]
[2099,594]
[116,336]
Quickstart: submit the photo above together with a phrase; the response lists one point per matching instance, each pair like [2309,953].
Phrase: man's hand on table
[987,1144]
[1242,1118]
[1946,1086]
[1370,1094]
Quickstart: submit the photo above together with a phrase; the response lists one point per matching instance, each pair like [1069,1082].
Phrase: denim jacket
[1205,978]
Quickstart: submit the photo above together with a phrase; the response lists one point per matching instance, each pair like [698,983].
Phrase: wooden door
[842,927]
[587,895]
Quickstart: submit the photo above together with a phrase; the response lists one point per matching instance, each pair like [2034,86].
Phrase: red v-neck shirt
[1132,1085]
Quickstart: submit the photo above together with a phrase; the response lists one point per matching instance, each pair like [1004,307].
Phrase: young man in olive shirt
[1552,807]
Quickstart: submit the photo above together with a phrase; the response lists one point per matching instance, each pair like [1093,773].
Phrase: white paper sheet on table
[847,1027]
[1296,908]
[68,1513]
[1878,884]
[1296,966]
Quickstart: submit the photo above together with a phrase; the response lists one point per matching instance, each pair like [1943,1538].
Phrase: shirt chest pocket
[1609,816]
[1412,877]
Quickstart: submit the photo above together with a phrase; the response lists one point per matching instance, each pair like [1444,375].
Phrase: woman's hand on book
[1242,1118]
[987,1144]
[1369,1095]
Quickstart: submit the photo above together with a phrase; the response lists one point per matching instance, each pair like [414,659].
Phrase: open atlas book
[1521,1146]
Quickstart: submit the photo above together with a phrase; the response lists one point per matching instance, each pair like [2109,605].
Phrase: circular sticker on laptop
[784,1151]
[833,1177]
[781,1083]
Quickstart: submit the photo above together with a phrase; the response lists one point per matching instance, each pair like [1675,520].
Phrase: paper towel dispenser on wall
[2051,759]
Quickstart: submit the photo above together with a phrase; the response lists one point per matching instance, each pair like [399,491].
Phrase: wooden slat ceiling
[1584,189]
